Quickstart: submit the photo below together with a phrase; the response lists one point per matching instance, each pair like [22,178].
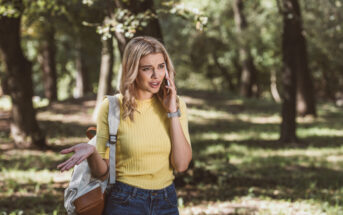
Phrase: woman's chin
[154,90]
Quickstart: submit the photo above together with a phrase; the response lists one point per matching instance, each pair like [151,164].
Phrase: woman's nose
[153,75]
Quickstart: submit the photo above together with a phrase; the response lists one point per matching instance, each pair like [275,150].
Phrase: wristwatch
[174,114]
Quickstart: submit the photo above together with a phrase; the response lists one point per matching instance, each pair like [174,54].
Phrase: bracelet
[174,114]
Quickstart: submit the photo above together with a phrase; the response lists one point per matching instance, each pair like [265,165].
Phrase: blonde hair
[137,48]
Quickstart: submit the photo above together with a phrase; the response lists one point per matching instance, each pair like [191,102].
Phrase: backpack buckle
[113,139]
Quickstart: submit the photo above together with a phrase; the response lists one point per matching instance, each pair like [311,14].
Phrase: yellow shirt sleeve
[102,130]
[184,119]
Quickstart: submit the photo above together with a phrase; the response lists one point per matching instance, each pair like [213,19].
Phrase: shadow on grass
[40,203]
[222,127]
[275,177]
[56,129]
[211,176]
[222,101]
[34,162]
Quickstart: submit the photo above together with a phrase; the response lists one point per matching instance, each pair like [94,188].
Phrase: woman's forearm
[181,150]
[97,165]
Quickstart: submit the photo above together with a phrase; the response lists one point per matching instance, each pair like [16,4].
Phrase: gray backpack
[81,180]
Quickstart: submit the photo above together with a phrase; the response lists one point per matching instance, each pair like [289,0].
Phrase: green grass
[238,167]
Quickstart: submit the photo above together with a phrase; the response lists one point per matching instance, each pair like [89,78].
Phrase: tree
[82,36]
[305,90]
[47,60]
[248,80]
[290,42]
[107,61]
[40,20]
[305,104]
[82,78]
[24,126]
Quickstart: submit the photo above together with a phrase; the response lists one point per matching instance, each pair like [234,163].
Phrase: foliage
[201,37]
[124,21]
[323,31]
[127,22]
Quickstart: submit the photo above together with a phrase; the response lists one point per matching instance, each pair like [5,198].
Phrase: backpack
[85,194]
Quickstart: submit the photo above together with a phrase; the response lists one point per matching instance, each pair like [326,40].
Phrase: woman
[153,136]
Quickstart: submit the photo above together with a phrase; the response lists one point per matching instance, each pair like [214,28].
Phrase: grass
[238,165]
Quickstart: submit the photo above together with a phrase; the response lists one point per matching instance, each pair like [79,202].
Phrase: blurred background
[262,81]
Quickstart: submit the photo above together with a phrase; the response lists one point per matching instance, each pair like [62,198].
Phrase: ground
[238,165]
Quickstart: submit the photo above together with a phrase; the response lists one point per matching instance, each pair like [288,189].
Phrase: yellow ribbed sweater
[143,147]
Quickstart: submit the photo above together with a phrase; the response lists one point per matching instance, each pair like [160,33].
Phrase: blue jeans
[125,199]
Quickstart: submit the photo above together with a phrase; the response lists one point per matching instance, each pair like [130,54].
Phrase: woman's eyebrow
[151,65]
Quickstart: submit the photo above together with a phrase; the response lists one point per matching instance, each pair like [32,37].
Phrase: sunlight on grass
[67,141]
[315,131]
[237,136]
[30,175]
[5,103]
[275,119]
[328,157]
[234,102]
[258,206]
[194,114]
[65,118]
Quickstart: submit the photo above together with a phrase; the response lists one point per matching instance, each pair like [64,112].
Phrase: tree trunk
[249,72]
[24,126]
[106,73]
[328,82]
[273,87]
[82,80]
[121,40]
[48,63]
[305,90]
[290,43]
[4,83]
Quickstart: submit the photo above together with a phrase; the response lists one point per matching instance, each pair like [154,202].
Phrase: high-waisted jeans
[125,199]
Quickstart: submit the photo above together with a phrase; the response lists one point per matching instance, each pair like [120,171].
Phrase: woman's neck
[143,96]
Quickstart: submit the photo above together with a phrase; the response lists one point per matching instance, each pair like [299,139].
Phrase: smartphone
[167,75]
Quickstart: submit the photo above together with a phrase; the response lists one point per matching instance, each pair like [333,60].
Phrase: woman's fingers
[171,81]
[67,150]
[172,90]
[70,164]
[80,160]
[81,153]
[64,163]
[64,166]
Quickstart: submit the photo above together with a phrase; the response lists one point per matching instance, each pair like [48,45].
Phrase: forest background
[262,81]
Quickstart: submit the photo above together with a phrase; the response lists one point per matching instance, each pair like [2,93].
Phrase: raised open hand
[82,151]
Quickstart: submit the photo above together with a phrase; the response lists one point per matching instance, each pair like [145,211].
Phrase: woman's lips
[155,84]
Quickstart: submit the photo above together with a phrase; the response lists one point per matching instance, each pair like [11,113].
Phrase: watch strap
[174,114]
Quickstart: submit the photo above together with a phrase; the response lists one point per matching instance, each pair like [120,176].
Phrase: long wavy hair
[137,48]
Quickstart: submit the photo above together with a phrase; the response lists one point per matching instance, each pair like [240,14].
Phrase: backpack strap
[113,124]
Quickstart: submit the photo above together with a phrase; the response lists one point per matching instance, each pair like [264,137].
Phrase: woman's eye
[161,66]
[146,69]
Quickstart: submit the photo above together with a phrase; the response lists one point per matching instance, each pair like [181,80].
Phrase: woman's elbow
[182,167]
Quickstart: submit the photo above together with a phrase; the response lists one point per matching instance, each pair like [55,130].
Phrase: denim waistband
[135,191]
